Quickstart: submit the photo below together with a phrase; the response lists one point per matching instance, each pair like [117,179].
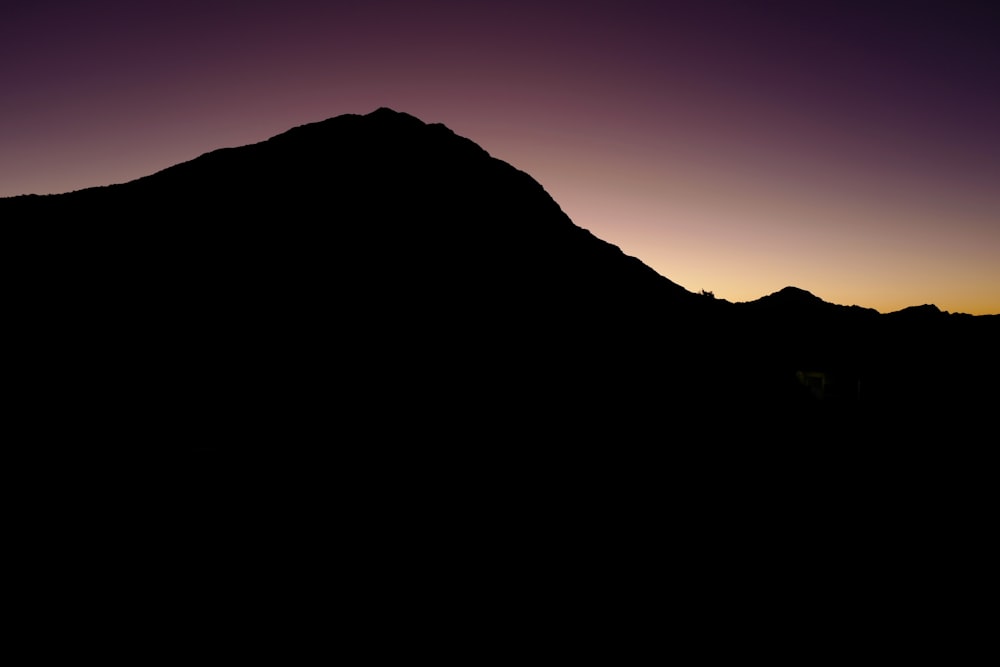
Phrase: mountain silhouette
[368,333]
[381,272]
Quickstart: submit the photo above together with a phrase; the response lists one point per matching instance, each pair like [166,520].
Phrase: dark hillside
[366,350]
[375,274]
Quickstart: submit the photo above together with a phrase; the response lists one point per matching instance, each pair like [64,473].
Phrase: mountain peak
[387,113]
[792,296]
[792,292]
[437,288]
[925,310]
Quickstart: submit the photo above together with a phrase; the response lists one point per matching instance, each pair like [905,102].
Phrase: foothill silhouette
[378,271]
[370,327]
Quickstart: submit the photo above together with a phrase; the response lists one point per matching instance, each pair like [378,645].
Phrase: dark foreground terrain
[374,277]
[365,354]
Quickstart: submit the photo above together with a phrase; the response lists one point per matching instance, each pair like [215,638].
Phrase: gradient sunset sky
[848,148]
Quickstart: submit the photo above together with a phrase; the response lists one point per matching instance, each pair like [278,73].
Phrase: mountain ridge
[376,327]
[406,120]
[424,277]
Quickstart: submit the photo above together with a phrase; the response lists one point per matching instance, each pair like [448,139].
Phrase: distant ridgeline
[373,274]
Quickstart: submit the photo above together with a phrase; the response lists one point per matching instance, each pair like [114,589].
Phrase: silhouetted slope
[373,274]
[893,371]
[384,340]
[387,340]
[364,263]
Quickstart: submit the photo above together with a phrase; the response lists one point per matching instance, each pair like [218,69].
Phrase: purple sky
[848,148]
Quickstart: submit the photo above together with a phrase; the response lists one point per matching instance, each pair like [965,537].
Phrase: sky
[848,148]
